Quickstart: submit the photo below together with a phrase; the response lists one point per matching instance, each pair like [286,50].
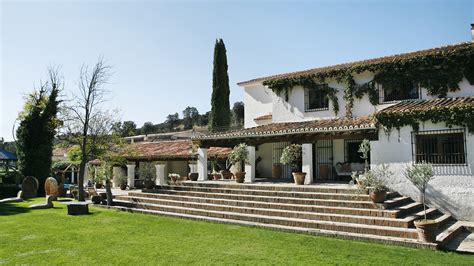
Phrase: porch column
[131,175]
[250,168]
[160,173]
[202,164]
[307,156]
[72,175]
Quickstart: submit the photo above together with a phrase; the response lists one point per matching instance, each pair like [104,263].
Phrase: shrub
[292,155]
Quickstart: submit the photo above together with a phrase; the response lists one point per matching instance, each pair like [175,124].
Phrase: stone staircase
[320,210]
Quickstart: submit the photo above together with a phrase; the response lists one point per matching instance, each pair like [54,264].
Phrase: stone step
[408,209]
[323,202]
[271,205]
[344,235]
[296,222]
[271,193]
[368,220]
[330,188]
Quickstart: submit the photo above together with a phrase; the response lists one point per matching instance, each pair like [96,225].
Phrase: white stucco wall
[258,102]
[452,190]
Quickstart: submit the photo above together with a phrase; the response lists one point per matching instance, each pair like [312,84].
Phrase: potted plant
[146,171]
[372,182]
[215,175]
[225,173]
[420,175]
[239,156]
[292,155]
[122,180]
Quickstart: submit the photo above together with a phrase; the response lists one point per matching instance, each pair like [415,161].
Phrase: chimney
[472,32]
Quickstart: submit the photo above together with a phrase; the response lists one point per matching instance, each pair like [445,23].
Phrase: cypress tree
[220,106]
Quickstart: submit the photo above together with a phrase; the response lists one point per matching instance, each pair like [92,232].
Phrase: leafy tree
[203,119]
[147,128]
[220,111]
[190,117]
[238,113]
[125,129]
[38,125]
[172,120]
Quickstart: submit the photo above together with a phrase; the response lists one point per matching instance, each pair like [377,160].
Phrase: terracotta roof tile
[313,126]
[263,117]
[166,150]
[421,105]
[432,51]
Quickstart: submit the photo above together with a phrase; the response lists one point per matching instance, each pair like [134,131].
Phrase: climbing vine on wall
[439,71]
[462,115]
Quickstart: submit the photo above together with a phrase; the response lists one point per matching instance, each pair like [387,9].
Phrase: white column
[72,175]
[131,175]
[250,168]
[160,174]
[202,164]
[115,174]
[307,156]
[86,175]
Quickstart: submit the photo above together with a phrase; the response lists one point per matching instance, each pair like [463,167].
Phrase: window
[351,151]
[404,92]
[439,146]
[315,100]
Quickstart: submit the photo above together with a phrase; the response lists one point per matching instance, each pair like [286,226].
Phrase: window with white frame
[315,100]
[445,147]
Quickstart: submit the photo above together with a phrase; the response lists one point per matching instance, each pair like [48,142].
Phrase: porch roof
[170,150]
[424,105]
[298,129]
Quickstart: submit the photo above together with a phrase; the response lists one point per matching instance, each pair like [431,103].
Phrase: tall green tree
[38,126]
[238,113]
[220,106]
[190,117]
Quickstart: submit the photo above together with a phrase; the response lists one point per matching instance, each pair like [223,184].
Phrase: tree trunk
[108,191]
[80,181]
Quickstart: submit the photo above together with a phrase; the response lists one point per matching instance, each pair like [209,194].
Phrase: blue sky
[161,51]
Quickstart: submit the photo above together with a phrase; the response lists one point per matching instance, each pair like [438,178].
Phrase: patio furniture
[344,170]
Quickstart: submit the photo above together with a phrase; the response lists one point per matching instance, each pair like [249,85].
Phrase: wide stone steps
[278,220]
[272,193]
[352,203]
[271,205]
[382,221]
[336,210]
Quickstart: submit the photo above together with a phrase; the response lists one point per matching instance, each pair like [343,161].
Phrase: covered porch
[329,149]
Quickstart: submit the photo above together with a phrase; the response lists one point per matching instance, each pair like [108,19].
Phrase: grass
[112,237]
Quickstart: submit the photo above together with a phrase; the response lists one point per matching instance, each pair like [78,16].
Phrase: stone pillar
[73,171]
[202,164]
[86,176]
[131,175]
[116,171]
[250,168]
[160,174]
[307,156]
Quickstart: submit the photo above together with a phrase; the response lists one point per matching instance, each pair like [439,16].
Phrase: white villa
[413,107]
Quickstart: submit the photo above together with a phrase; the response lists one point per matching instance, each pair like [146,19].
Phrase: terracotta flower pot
[226,174]
[149,184]
[378,196]
[193,176]
[239,177]
[427,230]
[123,186]
[216,176]
[299,177]
[276,170]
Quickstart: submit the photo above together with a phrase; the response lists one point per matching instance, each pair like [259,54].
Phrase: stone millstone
[51,187]
[29,186]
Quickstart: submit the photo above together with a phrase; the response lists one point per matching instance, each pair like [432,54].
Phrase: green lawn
[112,237]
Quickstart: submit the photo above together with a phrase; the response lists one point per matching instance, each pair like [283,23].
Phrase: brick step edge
[270,187]
[287,206]
[316,232]
[271,193]
[316,216]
